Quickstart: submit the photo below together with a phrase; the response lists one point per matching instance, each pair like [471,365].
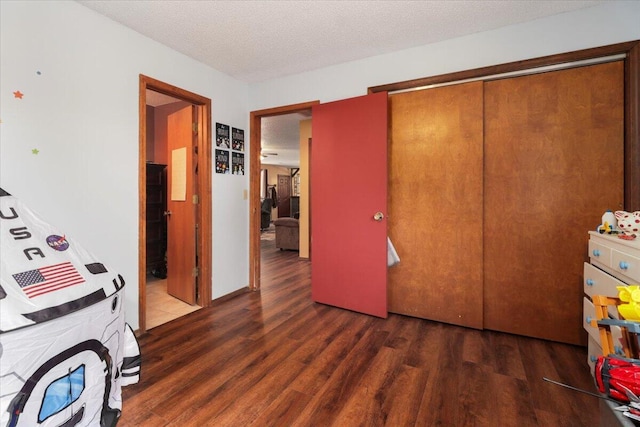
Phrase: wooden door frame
[630,49]
[203,208]
[255,133]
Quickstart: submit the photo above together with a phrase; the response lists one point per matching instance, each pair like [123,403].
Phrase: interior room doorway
[175,197]
[255,180]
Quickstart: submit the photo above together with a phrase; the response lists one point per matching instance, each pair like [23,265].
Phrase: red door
[348,204]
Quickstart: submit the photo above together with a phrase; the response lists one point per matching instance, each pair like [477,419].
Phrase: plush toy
[628,222]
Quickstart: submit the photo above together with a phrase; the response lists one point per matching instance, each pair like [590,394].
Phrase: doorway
[284,196]
[255,175]
[187,191]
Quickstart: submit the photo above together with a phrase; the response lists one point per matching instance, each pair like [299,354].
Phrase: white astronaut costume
[65,349]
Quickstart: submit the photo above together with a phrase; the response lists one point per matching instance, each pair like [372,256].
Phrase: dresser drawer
[599,252]
[593,351]
[597,282]
[588,313]
[626,264]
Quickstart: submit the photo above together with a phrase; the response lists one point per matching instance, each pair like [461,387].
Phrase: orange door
[554,145]
[181,218]
[348,189]
[435,203]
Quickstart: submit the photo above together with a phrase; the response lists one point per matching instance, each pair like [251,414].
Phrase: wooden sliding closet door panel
[553,165]
[435,204]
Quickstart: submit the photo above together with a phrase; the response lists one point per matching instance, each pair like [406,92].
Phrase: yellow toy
[629,330]
[606,228]
[629,306]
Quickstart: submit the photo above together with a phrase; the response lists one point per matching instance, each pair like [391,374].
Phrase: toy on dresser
[628,223]
[609,224]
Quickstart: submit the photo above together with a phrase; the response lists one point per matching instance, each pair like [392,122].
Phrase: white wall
[609,23]
[79,74]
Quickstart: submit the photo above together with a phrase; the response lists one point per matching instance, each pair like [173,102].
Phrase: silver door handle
[378,216]
[166,213]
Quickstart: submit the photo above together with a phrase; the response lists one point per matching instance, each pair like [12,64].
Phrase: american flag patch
[48,279]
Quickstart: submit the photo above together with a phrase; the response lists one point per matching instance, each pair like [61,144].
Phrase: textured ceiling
[260,40]
[254,41]
[281,135]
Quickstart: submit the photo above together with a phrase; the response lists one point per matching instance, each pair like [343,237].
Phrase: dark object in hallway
[160,271]
[156,240]
[265,213]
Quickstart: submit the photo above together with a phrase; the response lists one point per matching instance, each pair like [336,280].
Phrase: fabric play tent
[65,349]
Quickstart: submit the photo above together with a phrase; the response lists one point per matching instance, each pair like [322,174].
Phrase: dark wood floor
[275,358]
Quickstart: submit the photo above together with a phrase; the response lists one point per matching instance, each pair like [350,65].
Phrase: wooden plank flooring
[275,358]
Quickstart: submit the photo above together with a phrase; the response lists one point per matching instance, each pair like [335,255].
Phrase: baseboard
[229,296]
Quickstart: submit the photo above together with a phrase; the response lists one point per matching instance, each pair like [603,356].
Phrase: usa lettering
[14,214]
[21,233]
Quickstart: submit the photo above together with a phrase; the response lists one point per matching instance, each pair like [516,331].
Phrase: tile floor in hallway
[162,307]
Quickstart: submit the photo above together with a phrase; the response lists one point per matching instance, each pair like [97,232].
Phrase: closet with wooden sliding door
[492,186]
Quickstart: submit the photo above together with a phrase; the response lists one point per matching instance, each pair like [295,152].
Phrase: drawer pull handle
[590,282]
[596,252]
[588,319]
[593,358]
[624,265]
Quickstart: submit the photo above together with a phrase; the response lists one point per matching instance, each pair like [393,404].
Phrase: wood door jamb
[255,124]
[204,251]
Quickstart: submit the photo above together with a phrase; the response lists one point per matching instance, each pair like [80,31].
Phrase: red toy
[616,377]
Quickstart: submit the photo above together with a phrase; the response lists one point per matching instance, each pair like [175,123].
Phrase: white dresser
[614,262]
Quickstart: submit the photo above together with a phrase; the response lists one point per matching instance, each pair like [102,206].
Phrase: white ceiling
[258,40]
[281,135]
